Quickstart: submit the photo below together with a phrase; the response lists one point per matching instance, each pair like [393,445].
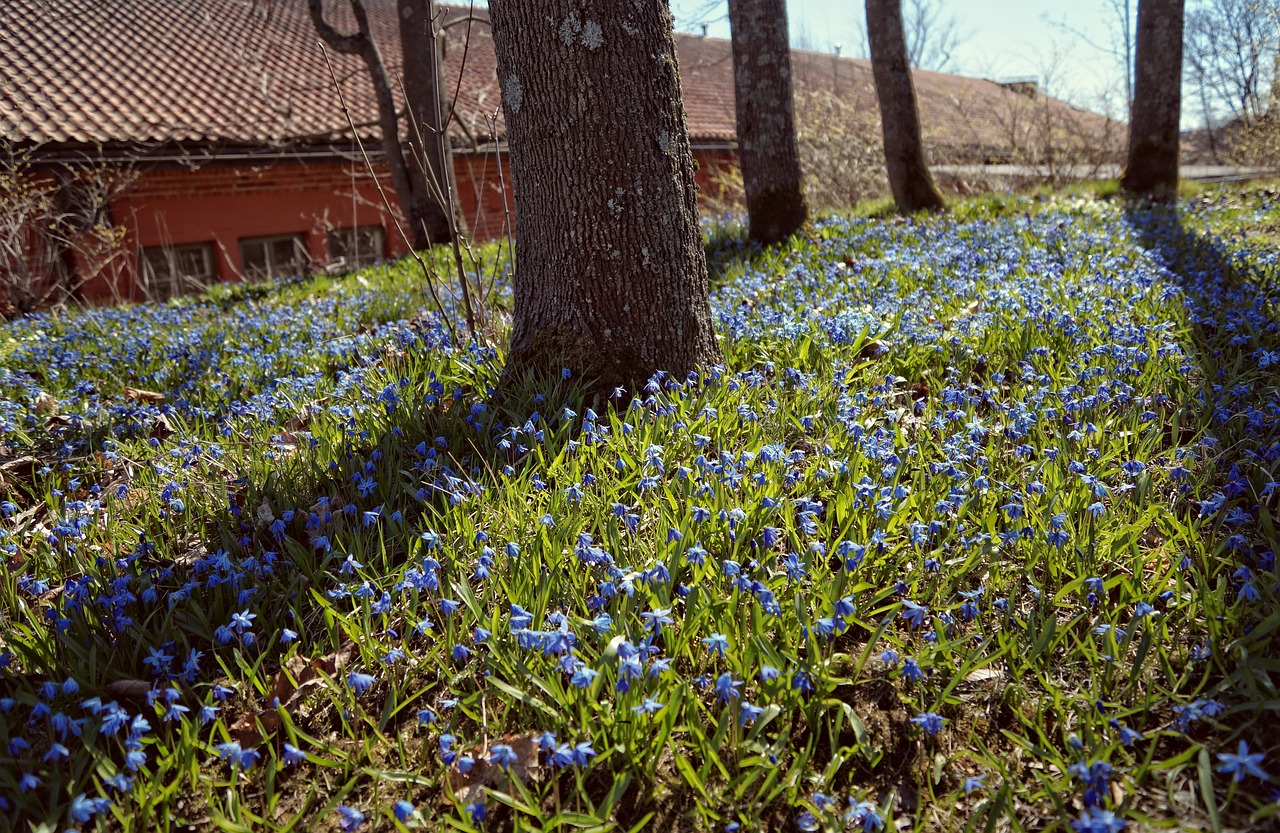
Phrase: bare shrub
[55,230]
[723,192]
[1040,140]
[1253,144]
[840,151]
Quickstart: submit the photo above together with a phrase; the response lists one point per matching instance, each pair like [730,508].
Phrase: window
[352,247]
[167,271]
[281,255]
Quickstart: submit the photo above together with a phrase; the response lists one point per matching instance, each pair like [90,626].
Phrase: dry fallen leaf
[46,405]
[871,350]
[23,468]
[137,395]
[983,675]
[300,420]
[135,690]
[297,675]
[161,430]
[469,787]
[191,556]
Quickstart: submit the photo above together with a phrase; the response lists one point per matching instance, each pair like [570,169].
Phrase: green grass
[990,443]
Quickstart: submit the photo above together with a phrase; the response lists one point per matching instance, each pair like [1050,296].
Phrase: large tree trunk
[767,148]
[909,177]
[1152,168]
[611,279]
[430,166]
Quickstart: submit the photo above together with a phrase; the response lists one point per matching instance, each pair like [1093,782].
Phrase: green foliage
[957,509]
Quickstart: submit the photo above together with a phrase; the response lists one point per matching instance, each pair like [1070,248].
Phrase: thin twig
[443,195]
[453,336]
[466,47]
[502,192]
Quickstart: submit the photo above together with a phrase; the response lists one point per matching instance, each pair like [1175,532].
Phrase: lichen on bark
[585,139]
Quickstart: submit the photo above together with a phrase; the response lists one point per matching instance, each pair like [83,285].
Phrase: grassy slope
[1008,469]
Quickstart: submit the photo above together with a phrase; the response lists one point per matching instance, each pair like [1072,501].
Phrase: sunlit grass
[977,527]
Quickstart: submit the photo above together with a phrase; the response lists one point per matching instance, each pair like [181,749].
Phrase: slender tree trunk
[430,162]
[909,177]
[767,148]
[611,279]
[1152,168]
[363,44]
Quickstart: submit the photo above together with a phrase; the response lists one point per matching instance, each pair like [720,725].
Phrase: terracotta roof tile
[250,72]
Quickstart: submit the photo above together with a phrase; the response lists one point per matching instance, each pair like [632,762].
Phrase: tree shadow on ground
[1231,302]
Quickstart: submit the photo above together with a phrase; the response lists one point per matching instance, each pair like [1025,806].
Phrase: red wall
[223,203]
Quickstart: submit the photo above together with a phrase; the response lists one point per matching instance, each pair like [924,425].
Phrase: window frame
[302,252]
[377,251]
[174,282]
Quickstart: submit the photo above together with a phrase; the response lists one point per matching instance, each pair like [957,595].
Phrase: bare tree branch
[338,42]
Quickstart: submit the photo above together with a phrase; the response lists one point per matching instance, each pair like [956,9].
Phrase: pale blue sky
[1006,38]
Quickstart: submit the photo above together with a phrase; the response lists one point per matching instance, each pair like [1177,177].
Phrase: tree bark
[909,178]
[430,163]
[767,149]
[363,44]
[611,279]
[1152,167]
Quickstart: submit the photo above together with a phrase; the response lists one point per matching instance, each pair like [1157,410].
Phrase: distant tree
[765,107]
[1232,50]
[429,219]
[611,279]
[1152,167]
[909,178]
[1119,46]
[932,40]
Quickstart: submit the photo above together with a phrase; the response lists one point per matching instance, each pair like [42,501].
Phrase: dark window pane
[356,246]
[253,257]
[193,262]
[156,263]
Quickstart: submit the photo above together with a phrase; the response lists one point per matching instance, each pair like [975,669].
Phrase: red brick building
[241,162]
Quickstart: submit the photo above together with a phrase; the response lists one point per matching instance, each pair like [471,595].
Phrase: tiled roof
[246,72]
[251,73]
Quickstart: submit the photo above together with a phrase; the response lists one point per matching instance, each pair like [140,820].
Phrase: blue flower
[914,613]
[727,687]
[1241,763]
[911,671]
[360,682]
[865,814]
[1098,821]
[649,706]
[237,756]
[403,810]
[656,618]
[930,722]
[84,808]
[582,754]
[349,819]
[716,643]
[503,756]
